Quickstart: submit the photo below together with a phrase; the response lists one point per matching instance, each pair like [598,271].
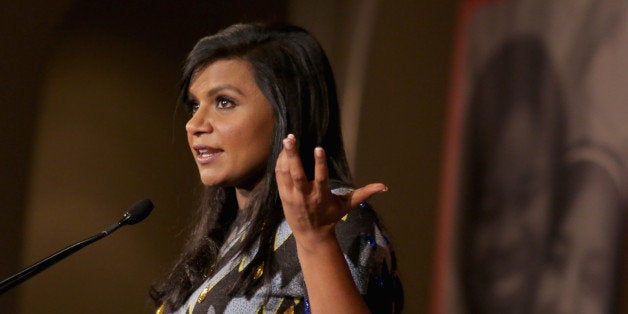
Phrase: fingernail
[291,136]
[288,143]
[318,152]
[385,188]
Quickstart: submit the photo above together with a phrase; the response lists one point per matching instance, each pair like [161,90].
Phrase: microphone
[136,213]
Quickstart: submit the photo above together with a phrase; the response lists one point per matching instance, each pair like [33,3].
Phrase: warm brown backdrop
[88,88]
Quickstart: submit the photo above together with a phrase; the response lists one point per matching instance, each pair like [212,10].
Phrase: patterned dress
[366,249]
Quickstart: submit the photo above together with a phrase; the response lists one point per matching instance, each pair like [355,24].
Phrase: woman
[276,217]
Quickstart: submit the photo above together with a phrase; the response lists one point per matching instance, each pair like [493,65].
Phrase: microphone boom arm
[135,214]
[40,266]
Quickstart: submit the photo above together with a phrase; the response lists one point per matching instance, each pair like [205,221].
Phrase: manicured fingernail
[385,188]
[318,152]
[288,143]
[291,136]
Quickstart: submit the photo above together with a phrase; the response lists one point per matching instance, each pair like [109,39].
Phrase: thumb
[362,194]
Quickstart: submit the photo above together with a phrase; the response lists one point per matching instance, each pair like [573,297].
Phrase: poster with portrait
[534,196]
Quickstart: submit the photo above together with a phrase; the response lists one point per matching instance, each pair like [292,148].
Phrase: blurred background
[534,194]
[88,126]
[499,126]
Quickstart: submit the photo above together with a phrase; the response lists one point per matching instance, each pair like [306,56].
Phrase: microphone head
[137,212]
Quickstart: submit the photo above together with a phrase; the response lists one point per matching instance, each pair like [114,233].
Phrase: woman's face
[231,130]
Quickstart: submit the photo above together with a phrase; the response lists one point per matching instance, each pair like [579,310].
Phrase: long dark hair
[294,74]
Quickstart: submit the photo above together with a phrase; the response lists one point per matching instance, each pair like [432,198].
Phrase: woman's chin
[211,181]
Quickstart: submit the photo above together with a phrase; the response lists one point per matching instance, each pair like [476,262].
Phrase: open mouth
[205,153]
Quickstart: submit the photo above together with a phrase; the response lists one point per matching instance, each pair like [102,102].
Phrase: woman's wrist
[319,242]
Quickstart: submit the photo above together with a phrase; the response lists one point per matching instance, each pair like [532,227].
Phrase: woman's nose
[199,123]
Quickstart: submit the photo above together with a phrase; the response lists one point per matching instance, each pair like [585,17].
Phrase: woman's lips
[205,154]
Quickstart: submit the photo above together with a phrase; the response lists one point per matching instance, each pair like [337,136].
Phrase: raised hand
[312,212]
[310,208]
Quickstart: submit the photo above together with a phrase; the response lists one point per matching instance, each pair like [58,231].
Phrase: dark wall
[88,91]
[401,130]
[54,192]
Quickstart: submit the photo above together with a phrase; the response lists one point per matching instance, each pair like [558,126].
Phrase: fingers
[290,175]
[321,174]
[362,194]
[299,179]
[282,173]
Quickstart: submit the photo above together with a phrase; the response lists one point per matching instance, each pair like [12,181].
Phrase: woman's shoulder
[363,239]
[371,259]
[367,250]
[362,222]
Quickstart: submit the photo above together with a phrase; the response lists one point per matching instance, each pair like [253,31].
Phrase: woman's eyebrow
[219,88]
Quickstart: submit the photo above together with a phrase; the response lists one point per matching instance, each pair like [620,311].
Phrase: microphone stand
[138,212]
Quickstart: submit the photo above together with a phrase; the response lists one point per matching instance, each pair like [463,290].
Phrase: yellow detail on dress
[289,310]
[242,265]
[259,271]
[344,218]
[203,294]
[160,309]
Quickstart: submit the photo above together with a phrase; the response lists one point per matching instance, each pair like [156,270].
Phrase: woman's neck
[244,195]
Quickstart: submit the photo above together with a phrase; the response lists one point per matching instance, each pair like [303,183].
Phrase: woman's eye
[224,103]
[193,106]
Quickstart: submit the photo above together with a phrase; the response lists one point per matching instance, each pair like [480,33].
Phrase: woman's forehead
[227,72]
